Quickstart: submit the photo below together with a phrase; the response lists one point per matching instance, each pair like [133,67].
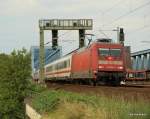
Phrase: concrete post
[136,64]
[148,61]
[145,62]
[142,62]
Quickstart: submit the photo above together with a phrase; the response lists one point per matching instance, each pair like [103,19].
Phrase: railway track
[140,84]
[130,85]
[137,86]
[132,93]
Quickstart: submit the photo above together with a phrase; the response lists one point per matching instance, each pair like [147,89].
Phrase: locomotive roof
[93,43]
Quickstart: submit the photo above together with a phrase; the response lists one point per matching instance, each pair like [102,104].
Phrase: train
[138,75]
[101,62]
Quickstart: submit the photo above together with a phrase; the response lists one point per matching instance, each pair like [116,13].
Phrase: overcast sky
[19,21]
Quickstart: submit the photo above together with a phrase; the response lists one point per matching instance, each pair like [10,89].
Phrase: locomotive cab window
[103,51]
[115,52]
[109,52]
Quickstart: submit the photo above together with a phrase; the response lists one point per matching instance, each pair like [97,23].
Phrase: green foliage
[46,101]
[34,88]
[15,71]
[50,101]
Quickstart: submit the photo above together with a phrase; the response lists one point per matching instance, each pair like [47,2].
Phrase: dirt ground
[126,93]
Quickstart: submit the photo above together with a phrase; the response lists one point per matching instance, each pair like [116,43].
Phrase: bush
[15,70]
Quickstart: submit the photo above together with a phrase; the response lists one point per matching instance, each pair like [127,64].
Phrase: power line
[113,6]
[68,40]
[140,28]
[103,13]
[103,33]
[58,37]
[132,11]
[109,9]
[64,34]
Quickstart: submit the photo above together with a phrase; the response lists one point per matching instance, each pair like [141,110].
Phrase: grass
[67,105]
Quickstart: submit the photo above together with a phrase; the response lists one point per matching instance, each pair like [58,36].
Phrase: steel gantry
[61,24]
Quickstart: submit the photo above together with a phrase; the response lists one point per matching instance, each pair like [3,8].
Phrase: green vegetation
[66,105]
[15,72]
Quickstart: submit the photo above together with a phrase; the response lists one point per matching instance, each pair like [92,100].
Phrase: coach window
[68,63]
[59,66]
[49,69]
[56,67]
[65,64]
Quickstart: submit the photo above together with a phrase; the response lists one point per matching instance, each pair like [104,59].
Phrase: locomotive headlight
[120,67]
[95,72]
[110,58]
[100,67]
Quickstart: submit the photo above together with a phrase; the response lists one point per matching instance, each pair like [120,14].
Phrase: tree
[15,72]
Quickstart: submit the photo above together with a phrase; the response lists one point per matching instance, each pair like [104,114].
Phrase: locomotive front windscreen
[109,52]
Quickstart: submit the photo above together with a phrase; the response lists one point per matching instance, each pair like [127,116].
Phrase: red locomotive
[96,63]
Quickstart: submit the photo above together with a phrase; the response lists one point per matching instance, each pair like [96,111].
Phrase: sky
[19,21]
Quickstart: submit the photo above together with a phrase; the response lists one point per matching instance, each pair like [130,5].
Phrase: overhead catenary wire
[59,36]
[139,29]
[109,9]
[101,31]
[64,41]
[127,13]
[64,34]
[104,13]
[50,55]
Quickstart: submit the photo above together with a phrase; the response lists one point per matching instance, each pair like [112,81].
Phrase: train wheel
[116,82]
